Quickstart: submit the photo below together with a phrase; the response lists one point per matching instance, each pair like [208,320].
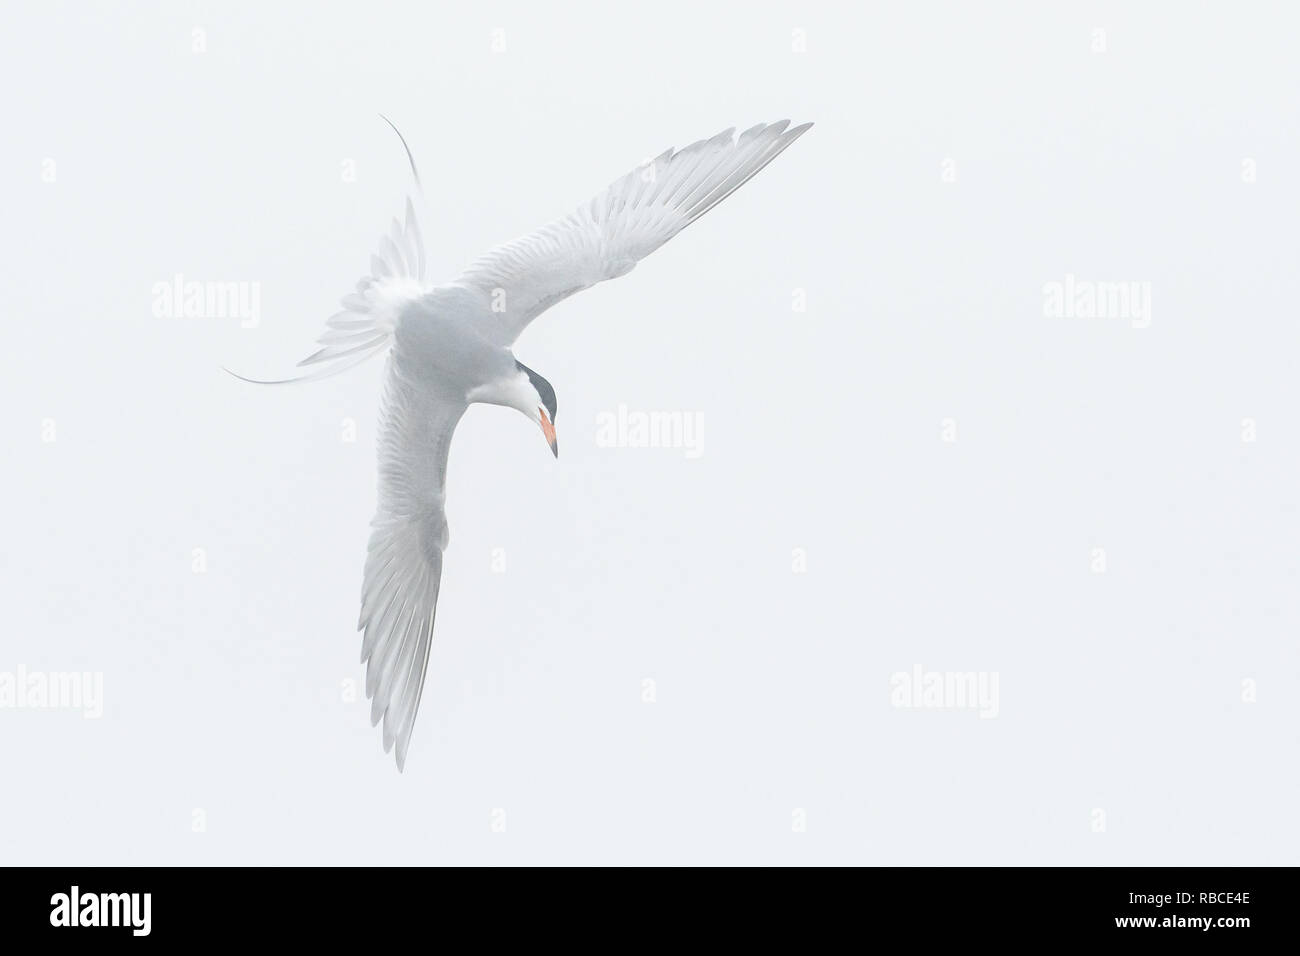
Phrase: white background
[1120,692]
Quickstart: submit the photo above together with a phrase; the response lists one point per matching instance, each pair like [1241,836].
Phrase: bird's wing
[606,237]
[408,535]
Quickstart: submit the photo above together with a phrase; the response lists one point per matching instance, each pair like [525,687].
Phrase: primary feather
[605,237]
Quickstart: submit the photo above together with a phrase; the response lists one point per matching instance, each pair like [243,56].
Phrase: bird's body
[451,345]
[440,335]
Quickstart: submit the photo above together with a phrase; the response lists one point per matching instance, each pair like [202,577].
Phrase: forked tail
[370,314]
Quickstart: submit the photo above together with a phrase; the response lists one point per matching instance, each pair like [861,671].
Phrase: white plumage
[449,345]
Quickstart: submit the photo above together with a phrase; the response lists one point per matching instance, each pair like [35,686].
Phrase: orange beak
[548,430]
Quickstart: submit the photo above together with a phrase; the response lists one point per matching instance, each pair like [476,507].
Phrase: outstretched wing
[399,596]
[606,237]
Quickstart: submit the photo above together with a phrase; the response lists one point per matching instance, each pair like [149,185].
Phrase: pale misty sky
[946,572]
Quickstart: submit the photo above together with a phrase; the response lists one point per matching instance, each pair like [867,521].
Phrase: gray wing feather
[606,237]
[399,596]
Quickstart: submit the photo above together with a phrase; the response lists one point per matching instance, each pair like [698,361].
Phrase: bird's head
[535,397]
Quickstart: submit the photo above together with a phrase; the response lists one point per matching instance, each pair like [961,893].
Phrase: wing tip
[790,133]
[402,742]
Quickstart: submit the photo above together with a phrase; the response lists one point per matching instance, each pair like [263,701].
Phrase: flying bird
[449,346]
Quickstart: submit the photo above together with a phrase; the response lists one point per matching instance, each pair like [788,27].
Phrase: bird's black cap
[543,389]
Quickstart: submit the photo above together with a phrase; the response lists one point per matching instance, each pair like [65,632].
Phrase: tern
[449,346]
